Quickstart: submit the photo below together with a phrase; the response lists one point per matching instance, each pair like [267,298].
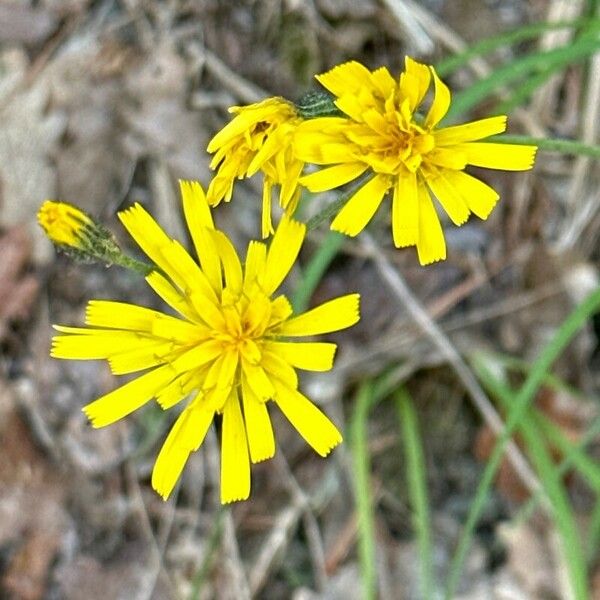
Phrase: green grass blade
[588,468]
[417,487]
[545,60]
[589,436]
[212,545]
[550,478]
[517,411]
[564,518]
[523,92]
[548,145]
[315,270]
[451,64]
[593,545]
[362,490]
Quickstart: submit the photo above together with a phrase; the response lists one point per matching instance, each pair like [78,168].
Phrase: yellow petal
[144,357]
[453,203]
[334,315]
[447,158]
[195,207]
[197,356]
[354,106]
[310,356]
[235,461]
[148,235]
[266,221]
[332,177]
[232,267]
[431,246]
[186,274]
[261,440]
[281,309]
[414,82]
[95,344]
[283,252]
[347,78]
[176,330]
[186,435]
[467,132]
[318,431]
[479,197]
[276,366]
[175,299]
[120,315]
[268,111]
[198,217]
[290,190]
[129,397]
[383,81]
[440,104]
[259,381]
[177,390]
[256,260]
[508,157]
[359,210]
[323,141]
[405,211]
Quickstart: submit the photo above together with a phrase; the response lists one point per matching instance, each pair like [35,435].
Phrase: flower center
[245,321]
[396,143]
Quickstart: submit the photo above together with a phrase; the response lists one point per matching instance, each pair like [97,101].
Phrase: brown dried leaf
[32,518]
[18,289]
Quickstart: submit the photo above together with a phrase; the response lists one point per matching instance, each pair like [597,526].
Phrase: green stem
[128,262]
[315,270]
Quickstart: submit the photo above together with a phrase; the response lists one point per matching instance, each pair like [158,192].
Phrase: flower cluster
[381,134]
[233,345]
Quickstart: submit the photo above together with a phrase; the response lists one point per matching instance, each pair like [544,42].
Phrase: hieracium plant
[229,342]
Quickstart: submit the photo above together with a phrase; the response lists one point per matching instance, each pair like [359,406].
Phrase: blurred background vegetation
[106,102]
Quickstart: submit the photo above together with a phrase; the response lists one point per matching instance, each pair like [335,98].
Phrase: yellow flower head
[65,224]
[230,350]
[404,151]
[259,138]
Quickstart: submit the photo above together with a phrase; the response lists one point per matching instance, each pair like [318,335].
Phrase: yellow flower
[229,351]
[404,152]
[65,224]
[259,138]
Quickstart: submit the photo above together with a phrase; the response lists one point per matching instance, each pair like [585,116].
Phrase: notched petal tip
[425,261]
[229,499]
[334,443]
[93,417]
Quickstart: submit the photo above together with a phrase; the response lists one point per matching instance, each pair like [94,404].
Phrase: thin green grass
[417,487]
[516,413]
[315,270]
[212,544]
[593,545]
[521,68]
[362,490]
[451,64]
[549,145]
[550,478]
[570,452]
[524,91]
[588,468]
